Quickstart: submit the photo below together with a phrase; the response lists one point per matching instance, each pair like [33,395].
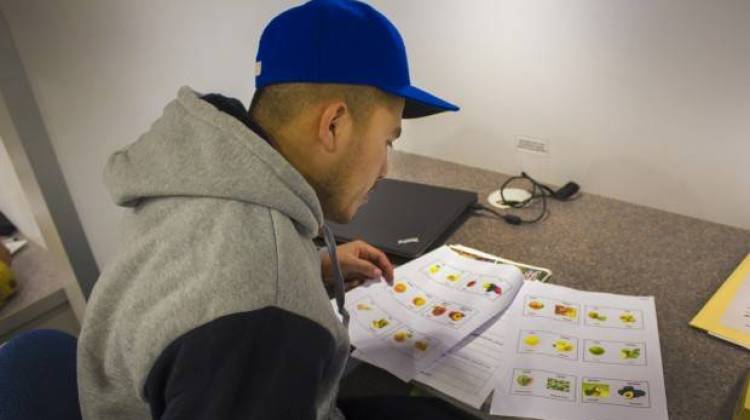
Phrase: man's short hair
[276,105]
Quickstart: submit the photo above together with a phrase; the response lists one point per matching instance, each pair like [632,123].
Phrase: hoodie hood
[195,150]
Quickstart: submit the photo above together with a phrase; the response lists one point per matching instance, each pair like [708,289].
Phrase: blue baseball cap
[341,41]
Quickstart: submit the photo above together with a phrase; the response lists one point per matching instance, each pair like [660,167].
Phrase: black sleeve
[263,364]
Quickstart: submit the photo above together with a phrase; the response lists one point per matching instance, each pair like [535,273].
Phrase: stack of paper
[465,324]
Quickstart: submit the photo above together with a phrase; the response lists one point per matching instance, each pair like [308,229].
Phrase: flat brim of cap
[420,103]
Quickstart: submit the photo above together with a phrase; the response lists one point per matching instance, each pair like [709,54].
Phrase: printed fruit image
[597,316]
[456,316]
[421,345]
[438,310]
[558,385]
[531,340]
[434,268]
[536,305]
[492,287]
[627,318]
[471,283]
[630,353]
[629,392]
[452,277]
[563,346]
[524,380]
[595,390]
[399,288]
[380,323]
[418,301]
[401,336]
[567,311]
[596,350]
[363,307]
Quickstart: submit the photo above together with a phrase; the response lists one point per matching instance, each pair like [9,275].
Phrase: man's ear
[333,122]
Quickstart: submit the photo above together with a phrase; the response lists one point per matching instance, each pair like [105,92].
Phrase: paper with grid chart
[581,355]
[435,302]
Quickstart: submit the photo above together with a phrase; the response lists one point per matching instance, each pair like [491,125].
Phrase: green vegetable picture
[524,380]
[558,385]
[595,390]
[596,350]
[629,392]
[630,354]
[597,316]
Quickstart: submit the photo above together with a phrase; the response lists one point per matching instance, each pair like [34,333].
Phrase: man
[216,307]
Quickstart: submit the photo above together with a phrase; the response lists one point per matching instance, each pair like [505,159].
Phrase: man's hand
[359,262]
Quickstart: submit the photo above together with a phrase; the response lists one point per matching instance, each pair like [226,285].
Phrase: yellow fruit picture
[434,268]
[363,307]
[453,277]
[399,287]
[419,301]
[421,345]
[380,323]
[536,305]
[531,340]
[401,336]
[563,346]
[456,316]
[627,318]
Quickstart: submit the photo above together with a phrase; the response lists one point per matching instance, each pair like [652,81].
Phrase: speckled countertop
[600,244]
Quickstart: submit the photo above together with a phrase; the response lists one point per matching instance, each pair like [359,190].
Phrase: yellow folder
[727,313]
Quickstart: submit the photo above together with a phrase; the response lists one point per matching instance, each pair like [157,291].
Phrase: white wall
[641,101]
[13,202]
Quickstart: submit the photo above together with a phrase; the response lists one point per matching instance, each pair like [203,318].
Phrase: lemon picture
[531,340]
[563,346]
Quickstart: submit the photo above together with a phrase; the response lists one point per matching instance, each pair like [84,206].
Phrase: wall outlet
[528,144]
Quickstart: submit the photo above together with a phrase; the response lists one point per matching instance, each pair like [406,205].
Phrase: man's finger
[380,259]
[363,267]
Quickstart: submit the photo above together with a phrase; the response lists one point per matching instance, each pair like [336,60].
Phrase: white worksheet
[434,303]
[575,355]
[469,371]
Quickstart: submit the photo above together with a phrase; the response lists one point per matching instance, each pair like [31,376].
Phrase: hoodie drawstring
[338,286]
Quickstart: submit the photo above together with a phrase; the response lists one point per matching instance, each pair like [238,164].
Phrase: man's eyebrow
[396,133]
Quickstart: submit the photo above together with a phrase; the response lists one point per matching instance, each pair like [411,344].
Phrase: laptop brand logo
[408,241]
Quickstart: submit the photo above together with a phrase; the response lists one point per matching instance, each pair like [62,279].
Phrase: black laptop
[405,219]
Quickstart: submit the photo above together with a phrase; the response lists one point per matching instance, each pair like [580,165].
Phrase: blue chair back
[38,377]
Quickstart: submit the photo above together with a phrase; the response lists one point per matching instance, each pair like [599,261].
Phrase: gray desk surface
[600,244]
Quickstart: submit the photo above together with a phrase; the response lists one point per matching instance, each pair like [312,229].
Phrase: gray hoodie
[214,306]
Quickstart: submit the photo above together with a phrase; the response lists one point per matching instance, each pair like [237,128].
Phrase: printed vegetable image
[401,336]
[399,288]
[531,340]
[558,385]
[595,390]
[452,277]
[596,350]
[434,268]
[492,287]
[597,316]
[418,301]
[524,380]
[627,318]
[563,346]
[567,311]
[629,392]
[438,310]
[363,307]
[380,323]
[421,345]
[456,316]
[471,283]
[536,305]
[630,353]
